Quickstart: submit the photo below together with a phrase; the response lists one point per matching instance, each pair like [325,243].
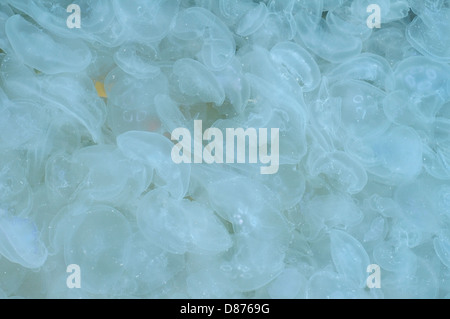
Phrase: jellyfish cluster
[358,208]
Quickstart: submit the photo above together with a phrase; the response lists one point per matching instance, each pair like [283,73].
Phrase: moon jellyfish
[97,242]
[20,241]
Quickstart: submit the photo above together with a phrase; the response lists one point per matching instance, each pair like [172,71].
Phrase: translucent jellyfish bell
[230,11]
[309,11]
[154,152]
[137,60]
[418,282]
[199,25]
[196,83]
[149,267]
[97,242]
[298,63]
[76,97]
[426,82]
[147,20]
[252,20]
[43,51]
[397,10]
[16,195]
[437,153]
[289,183]
[390,256]
[326,42]
[361,110]
[397,155]
[180,226]
[235,85]
[342,171]
[349,257]
[331,210]
[418,207]
[256,259]
[285,112]
[12,73]
[420,6]
[131,100]
[5,13]
[94,165]
[98,20]
[20,242]
[441,245]
[257,62]
[252,210]
[61,180]
[389,42]
[169,113]
[429,34]
[277,27]
[399,109]
[23,122]
[350,19]
[368,67]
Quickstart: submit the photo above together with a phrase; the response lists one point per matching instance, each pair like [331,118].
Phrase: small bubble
[358,99]
[226,268]
[238,219]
